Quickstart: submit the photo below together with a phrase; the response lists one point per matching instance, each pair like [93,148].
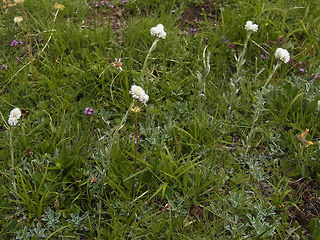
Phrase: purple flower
[193,30]
[89,111]
[103,3]
[265,56]
[135,139]
[14,43]
[124,2]
[131,136]
[96,4]
[224,39]
[231,45]
[4,67]
[304,64]
[302,70]
[111,6]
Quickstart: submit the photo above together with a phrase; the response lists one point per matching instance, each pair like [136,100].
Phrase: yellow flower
[58,6]
[136,109]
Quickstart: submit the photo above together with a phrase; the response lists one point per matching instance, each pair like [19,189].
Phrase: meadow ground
[113,127]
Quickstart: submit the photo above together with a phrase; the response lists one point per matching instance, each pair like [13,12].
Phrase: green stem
[241,56]
[12,159]
[153,46]
[30,41]
[136,142]
[271,75]
[257,108]
[236,78]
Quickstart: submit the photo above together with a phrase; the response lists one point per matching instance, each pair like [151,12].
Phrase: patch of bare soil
[102,16]
[194,14]
[310,206]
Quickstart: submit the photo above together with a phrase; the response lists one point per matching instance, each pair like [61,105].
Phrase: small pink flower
[193,30]
[89,111]
[118,63]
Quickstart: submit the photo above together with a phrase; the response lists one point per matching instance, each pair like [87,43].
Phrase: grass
[219,154]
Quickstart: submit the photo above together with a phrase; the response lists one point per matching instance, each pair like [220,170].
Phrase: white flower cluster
[14,116]
[251,27]
[158,31]
[282,54]
[138,93]
[17,19]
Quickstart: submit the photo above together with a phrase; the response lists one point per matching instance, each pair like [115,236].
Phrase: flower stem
[153,46]
[240,60]
[12,159]
[236,78]
[271,75]
[25,38]
[30,41]
[54,20]
[136,152]
[259,108]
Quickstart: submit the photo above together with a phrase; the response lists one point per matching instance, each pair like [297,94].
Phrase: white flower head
[17,19]
[158,31]
[145,98]
[251,27]
[14,116]
[138,93]
[282,54]
[19,1]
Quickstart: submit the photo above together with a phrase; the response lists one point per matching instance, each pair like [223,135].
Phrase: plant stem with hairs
[240,60]
[25,38]
[30,41]
[136,142]
[259,107]
[237,76]
[153,46]
[12,159]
